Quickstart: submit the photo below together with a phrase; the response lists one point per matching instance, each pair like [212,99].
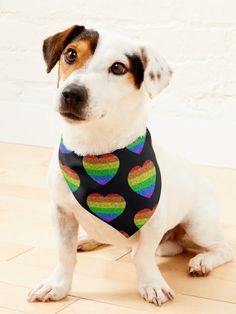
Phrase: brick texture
[198,38]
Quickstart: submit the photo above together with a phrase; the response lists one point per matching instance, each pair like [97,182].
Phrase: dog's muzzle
[72,102]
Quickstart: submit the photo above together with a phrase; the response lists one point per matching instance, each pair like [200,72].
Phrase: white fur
[116,115]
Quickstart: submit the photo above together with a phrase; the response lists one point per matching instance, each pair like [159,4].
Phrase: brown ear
[54,45]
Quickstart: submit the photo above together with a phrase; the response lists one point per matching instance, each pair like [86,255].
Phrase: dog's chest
[121,189]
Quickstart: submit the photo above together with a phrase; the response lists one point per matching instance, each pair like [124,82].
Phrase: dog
[104,81]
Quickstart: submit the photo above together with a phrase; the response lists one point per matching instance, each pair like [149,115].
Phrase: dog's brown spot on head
[91,36]
[152,76]
[158,75]
[136,70]
[84,48]
[54,45]
[83,41]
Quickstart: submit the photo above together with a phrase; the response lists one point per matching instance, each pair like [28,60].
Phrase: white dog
[103,81]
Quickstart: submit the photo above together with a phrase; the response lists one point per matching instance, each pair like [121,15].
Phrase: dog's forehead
[116,42]
[112,45]
[112,39]
[98,50]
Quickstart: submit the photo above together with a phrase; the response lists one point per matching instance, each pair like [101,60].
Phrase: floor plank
[36,256]
[224,182]
[14,298]
[115,282]
[98,265]
[4,310]
[182,304]
[11,250]
[180,263]
[24,165]
[91,307]
[104,279]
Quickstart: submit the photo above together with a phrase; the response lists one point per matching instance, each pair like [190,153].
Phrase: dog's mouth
[71,116]
[75,117]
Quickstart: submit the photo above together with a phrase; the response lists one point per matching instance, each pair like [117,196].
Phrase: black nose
[74,96]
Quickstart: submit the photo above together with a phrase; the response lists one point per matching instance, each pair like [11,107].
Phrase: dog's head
[101,73]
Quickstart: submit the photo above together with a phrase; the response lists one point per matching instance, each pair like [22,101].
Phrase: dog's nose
[74,95]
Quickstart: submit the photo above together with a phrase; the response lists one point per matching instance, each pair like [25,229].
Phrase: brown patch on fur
[136,70]
[152,76]
[84,52]
[130,78]
[158,76]
[54,46]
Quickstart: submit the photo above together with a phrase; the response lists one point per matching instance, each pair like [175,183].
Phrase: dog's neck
[107,134]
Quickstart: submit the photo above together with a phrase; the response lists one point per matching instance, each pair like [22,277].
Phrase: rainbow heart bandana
[121,188]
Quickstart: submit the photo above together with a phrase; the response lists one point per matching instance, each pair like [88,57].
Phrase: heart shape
[101,169]
[71,177]
[63,149]
[142,179]
[125,234]
[106,207]
[137,146]
[142,216]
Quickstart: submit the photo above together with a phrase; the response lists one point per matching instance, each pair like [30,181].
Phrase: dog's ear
[157,73]
[54,45]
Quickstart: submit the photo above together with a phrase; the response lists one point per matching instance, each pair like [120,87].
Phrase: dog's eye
[118,68]
[70,56]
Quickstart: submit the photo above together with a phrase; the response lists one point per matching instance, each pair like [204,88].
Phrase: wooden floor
[104,281]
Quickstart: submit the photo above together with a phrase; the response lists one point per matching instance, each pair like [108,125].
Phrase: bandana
[121,188]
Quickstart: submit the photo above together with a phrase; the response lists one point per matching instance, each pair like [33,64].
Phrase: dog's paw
[156,293]
[87,244]
[200,265]
[48,292]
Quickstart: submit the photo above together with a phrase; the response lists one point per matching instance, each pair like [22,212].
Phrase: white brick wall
[198,38]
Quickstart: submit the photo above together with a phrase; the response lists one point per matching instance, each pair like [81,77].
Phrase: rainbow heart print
[106,207]
[71,177]
[101,169]
[137,146]
[125,234]
[121,188]
[142,216]
[63,149]
[142,180]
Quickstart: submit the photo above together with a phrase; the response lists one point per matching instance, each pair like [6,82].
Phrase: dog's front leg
[58,284]
[152,286]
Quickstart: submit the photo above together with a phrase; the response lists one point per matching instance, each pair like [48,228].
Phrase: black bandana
[121,188]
